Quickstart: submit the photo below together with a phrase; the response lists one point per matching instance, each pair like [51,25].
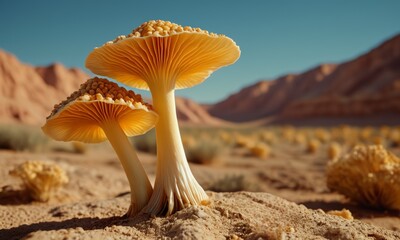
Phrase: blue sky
[275,37]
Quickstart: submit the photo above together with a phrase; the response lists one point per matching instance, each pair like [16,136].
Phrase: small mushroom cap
[81,116]
[163,51]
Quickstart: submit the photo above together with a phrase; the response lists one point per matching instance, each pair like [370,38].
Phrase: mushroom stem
[139,183]
[175,186]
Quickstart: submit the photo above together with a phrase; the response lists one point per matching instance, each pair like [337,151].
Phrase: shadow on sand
[85,223]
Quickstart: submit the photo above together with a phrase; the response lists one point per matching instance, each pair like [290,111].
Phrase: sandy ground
[284,196]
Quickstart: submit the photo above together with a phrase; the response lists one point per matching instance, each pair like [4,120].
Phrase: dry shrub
[334,150]
[260,150]
[346,135]
[312,146]
[384,131]
[79,147]
[146,143]
[288,133]
[40,179]
[242,141]
[394,138]
[322,135]
[369,175]
[366,134]
[204,152]
[188,141]
[268,137]
[22,138]
[299,138]
[378,140]
[233,183]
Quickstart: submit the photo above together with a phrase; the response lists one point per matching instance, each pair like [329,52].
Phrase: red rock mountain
[28,93]
[363,87]
[191,112]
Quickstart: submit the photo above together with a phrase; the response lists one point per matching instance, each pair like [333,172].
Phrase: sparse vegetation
[79,147]
[334,150]
[313,146]
[203,152]
[233,183]
[22,138]
[260,150]
[146,143]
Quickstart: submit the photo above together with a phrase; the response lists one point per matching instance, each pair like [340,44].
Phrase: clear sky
[275,37]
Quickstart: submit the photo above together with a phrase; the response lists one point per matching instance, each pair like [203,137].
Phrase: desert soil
[282,197]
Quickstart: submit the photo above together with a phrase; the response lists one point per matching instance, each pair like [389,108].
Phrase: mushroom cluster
[162,56]
[159,56]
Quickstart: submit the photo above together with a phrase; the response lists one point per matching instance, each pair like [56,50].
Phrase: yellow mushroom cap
[161,50]
[79,118]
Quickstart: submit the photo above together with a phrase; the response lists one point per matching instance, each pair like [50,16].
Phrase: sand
[283,197]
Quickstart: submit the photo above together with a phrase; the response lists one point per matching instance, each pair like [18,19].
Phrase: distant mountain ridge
[363,87]
[28,93]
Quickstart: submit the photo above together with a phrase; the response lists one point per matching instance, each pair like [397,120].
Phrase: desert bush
[299,138]
[242,141]
[384,131]
[312,146]
[233,183]
[394,138]
[260,150]
[146,143]
[378,140]
[40,179]
[366,134]
[204,152]
[22,138]
[369,175]
[322,135]
[225,137]
[288,133]
[334,150]
[268,137]
[345,134]
[79,147]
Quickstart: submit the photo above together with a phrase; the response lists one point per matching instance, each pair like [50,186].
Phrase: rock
[363,87]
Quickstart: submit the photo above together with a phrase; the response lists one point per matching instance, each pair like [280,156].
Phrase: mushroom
[102,110]
[161,56]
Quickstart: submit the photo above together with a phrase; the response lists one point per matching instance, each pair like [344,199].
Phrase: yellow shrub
[369,175]
[322,135]
[79,147]
[334,150]
[260,150]
[41,179]
[242,141]
[312,146]
[299,138]
[268,137]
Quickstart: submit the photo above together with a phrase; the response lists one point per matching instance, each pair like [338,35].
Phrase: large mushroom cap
[79,118]
[161,50]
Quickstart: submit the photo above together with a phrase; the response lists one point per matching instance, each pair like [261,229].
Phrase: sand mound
[230,216]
